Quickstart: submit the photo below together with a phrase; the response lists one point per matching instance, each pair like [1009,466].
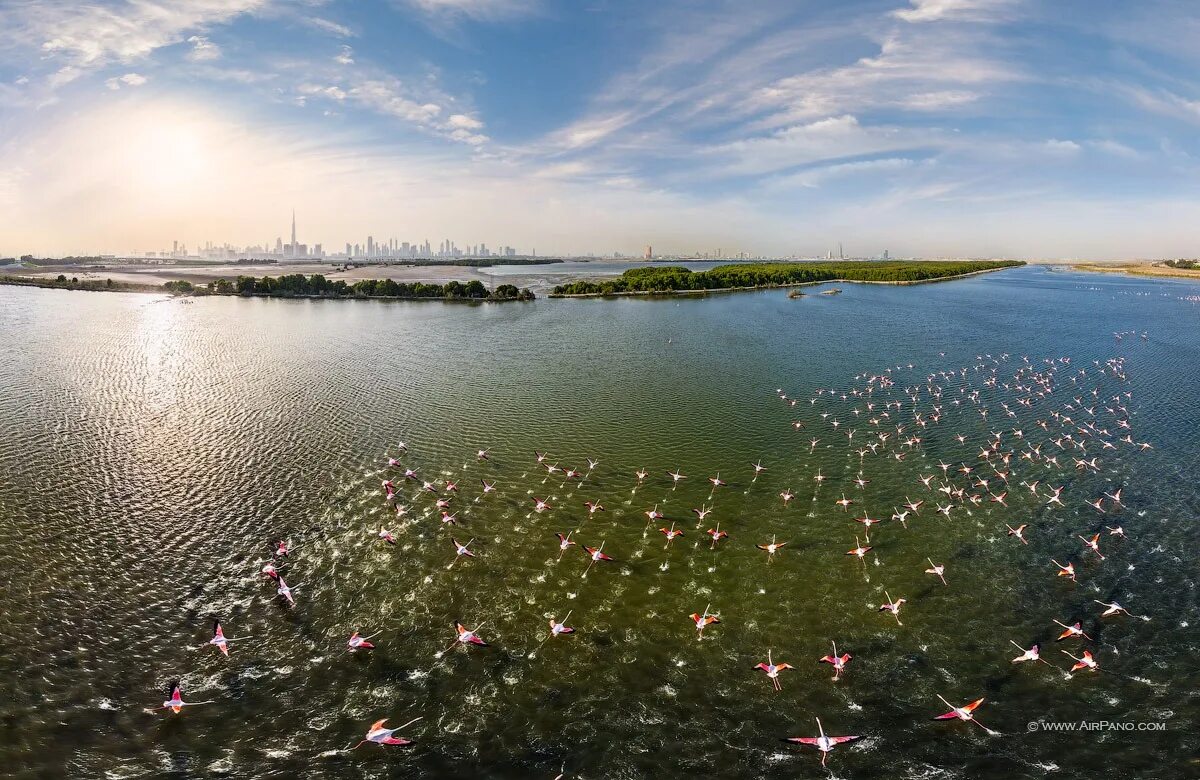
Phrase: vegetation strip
[754,276]
[294,286]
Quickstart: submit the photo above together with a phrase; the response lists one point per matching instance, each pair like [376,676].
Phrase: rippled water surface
[153,451]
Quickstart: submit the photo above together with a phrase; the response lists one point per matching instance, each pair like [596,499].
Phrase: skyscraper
[292,246]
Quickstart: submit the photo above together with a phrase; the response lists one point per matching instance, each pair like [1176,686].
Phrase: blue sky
[928,127]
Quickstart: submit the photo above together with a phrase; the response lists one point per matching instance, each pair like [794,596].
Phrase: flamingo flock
[1049,424]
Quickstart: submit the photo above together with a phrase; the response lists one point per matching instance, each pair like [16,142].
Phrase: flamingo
[220,641]
[386,535]
[1115,608]
[460,550]
[773,669]
[702,621]
[596,554]
[965,712]
[893,607]
[384,736]
[356,642]
[675,477]
[771,548]
[482,454]
[560,627]
[539,505]
[859,551]
[1074,630]
[822,743]
[702,512]
[488,487]
[670,533]
[1093,544]
[653,514]
[843,502]
[939,570]
[563,543]
[758,469]
[641,475]
[837,661]
[787,495]
[176,703]
[466,636]
[1065,571]
[716,534]
[1032,654]
[1087,662]
[1018,532]
[593,507]
[286,591]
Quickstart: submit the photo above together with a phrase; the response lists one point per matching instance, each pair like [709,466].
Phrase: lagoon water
[151,451]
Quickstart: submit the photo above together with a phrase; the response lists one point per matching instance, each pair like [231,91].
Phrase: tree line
[678,278]
[318,286]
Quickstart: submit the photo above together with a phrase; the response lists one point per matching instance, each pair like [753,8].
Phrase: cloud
[345,56]
[128,80]
[958,10]
[203,50]
[479,10]
[814,177]
[333,28]
[464,122]
[825,139]
[88,36]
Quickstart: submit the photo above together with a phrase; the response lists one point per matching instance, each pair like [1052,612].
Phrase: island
[757,276]
[293,286]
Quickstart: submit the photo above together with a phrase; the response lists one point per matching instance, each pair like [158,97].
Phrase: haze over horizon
[998,128]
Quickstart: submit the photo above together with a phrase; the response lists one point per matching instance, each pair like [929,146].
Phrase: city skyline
[981,128]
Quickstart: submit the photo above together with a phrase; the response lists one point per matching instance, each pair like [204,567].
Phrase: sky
[933,128]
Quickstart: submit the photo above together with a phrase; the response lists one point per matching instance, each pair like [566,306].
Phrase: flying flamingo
[773,669]
[539,505]
[893,607]
[1065,571]
[286,591]
[701,621]
[859,551]
[844,502]
[837,661]
[593,507]
[822,743]
[386,535]
[653,514]
[488,487]
[355,642]
[220,641]
[176,703]
[560,627]
[758,469]
[670,533]
[1093,544]
[460,550]
[1087,662]
[771,548]
[965,712]
[382,736]
[563,543]
[1032,654]
[1018,532]
[596,554]
[1075,630]
[938,570]
[675,477]
[716,534]
[702,513]
[1114,608]
[465,636]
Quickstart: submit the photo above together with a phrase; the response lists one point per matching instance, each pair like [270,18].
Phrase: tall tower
[293,231]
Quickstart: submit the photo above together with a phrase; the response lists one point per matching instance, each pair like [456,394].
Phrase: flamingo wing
[948,716]
[844,740]
[971,707]
[803,740]
[377,725]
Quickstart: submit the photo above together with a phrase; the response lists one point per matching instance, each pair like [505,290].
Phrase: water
[152,451]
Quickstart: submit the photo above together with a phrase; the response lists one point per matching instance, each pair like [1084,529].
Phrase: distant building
[885,254]
[648,253]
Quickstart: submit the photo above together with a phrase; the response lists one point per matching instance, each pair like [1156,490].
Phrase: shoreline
[722,290]
[1137,269]
[92,285]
